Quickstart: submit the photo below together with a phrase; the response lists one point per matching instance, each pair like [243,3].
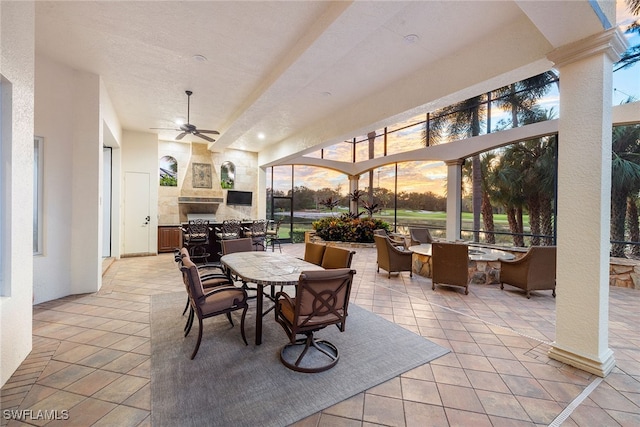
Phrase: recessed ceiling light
[199,58]
[411,38]
[261,135]
[179,122]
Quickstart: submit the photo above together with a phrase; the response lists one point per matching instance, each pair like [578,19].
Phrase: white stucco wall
[67,116]
[17,66]
[53,120]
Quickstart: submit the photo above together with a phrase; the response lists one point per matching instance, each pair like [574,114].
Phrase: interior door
[136,213]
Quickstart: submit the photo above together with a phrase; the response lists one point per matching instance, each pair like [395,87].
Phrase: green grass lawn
[437,217]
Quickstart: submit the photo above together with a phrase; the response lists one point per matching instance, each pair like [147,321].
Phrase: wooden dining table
[266,269]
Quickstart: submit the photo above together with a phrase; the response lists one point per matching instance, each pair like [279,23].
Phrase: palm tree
[634,226]
[457,121]
[625,180]
[632,55]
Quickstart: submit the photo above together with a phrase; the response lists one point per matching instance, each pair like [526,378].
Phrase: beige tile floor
[91,357]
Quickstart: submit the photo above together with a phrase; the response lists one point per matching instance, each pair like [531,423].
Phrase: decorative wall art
[202,175]
[227,175]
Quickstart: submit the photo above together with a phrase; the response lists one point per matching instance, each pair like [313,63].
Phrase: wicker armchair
[390,258]
[450,265]
[419,236]
[535,271]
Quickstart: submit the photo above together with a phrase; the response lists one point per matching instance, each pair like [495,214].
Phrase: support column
[454,199]
[584,197]
[353,186]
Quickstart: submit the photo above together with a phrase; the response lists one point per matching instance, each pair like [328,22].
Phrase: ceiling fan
[189,128]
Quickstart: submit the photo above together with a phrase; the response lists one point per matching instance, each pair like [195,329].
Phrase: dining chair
[392,258]
[220,300]
[244,244]
[208,276]
[535,271]
[230,246]
[450,265]
[321,300]
[313,252]
[335,257]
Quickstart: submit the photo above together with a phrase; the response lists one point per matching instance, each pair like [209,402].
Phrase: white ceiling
[302,72]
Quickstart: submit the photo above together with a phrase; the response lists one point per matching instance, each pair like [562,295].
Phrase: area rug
[230,384]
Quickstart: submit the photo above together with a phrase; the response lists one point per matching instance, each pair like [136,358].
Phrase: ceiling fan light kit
[188,128]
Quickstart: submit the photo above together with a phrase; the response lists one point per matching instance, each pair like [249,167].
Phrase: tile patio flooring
[91,356]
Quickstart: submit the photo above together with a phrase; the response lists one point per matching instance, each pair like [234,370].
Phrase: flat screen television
[239,198]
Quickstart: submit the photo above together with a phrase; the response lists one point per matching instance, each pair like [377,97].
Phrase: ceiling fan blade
[180,136]
[165,129]
[204,136]
[215,132]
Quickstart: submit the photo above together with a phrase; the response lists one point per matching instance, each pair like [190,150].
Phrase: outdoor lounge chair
[450,265]
[419,236]
[391,258]
[535,271]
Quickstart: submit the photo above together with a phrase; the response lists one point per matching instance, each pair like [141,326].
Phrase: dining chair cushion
[313,253]
[335,257]
[219,301]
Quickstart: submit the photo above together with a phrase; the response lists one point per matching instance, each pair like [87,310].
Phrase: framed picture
[202,175]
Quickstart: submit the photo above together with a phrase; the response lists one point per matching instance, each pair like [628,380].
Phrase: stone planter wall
[624,273]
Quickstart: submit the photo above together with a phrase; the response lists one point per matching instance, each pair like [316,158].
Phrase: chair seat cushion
[212,283]
[227,236]
[222,300]
[287,311]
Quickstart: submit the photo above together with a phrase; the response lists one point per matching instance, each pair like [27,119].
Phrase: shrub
[348,229]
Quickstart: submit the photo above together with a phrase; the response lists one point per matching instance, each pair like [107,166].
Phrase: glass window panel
[313,187]
[282,179]
[340,152]
[362,148]
[406,139]
[384,181]
[314,155]
[422,196]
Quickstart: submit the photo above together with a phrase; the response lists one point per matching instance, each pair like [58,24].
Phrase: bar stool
[272,236]
[196,239]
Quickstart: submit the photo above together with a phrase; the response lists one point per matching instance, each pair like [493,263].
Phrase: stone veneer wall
[186,154]
[624,273]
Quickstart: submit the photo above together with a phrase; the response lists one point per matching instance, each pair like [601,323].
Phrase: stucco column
[584,194]
[454,198]
[353,186]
